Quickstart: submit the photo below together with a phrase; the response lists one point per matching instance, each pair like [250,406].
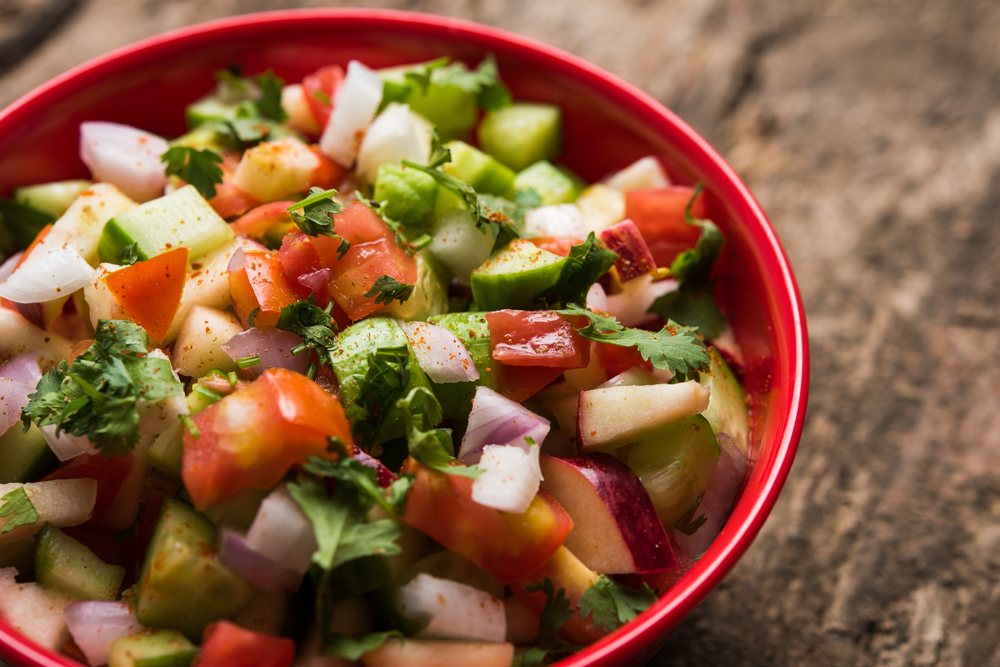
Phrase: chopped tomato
[536,338]
[519,383]
[226,644]
[258,221]
[617,359]
[557,245]
[320,89]
[506,545]
[150,291]
[328,174]
[659,215]
[259,284]
[252,437]
[230,200]
[298,257]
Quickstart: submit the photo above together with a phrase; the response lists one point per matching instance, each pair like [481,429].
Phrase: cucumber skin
[506,281]
[727,411]
[152,648]
[62,562]
[25,457]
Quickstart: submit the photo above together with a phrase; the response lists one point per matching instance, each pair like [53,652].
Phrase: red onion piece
[282,533]
[256,568]
[439,353]
[95,625]
[23,368]
[497,420]
[126,157]
[237,261]
[13,397]
[316,281]
[9,265]
[273,346]
[59,272]
[385,476]
[66,446]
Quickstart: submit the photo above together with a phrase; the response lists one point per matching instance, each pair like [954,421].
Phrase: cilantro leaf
[252,316]
[383,383]
[416,78]
[674,348]
[528,198]
[17,505]
[557,610]
[316,216]
[128,255]
[352,648]
[98,395]
[484,82]
[200,168]
[314,324]
[351,471]
[432,447]
[585,264]
[387,289]
[269,103]
[613,605]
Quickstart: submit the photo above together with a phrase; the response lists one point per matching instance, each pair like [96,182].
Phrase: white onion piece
[643,174]
[597,298]
[354,107]
[556,220]
[452,610]
[59,272]
[124,156]
[273,346]
[23,368]
[631,305]
[718,499]
[237,261]
[510,478]
[282,533]
[66,446]
[256,568]
[439,353]
[13,397]
[497,420]
[316,281]
[9,265]
[96,624]
[394,136]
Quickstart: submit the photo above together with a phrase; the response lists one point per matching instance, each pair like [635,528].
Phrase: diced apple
[634,257]
[275,169]
[643,174]
[198,348]
[615,416]
[101,302]
[62,502]
[600,207]
[615,526]
[34,611]
[18,335]
[438,653]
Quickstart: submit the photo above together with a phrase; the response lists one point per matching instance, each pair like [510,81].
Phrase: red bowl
[608,124]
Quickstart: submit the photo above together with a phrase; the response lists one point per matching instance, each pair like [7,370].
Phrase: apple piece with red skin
[615,527]
[634,257]
[615,416]
[506,545]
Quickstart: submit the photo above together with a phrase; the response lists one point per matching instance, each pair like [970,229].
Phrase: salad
[355,372]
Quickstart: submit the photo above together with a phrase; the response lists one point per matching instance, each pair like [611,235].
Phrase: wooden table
[870,132]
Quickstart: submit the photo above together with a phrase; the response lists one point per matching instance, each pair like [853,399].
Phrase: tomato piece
[150,291]
[659,215]
[259,220]
[519,383]
[320,89]
[536,338]
[230,200]
[299,257]
[328,174]
[260,284]
[617,359]
[110,473]
[226,644]
[557,245]
[252,437]
[506,545]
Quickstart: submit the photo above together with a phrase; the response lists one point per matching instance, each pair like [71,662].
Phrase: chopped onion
[13,397]
[385,476]
[59,272]
[452,610]
[394,136]
[316,281]
[497,420]
[237,261]
[66,446]
[96,624]
[631,305]
[9,265]
[23,368]
[281,532]
[256,568]
[355,104]
[440,353]
[510,478]
[126,157]
[718,499]
[597,298]
[272,346]
[557,220]
[460,245]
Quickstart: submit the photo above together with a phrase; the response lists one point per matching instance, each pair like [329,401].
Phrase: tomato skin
[506,545]
[659,215]
[617,359]
[256,222]
[260,283]
[325,81]
[226,644]
[150,291]
[328,174]
[519,383]
[557,245]
[252,437]
[536,338]
[230,200]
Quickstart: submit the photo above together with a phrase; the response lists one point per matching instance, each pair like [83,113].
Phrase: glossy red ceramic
[608,124]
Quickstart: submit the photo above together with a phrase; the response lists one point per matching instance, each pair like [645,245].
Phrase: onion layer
[126,157]
[272,346]
[95,625]
[439,353]
[452,610]
[60,272]
[255,567]
[497,420]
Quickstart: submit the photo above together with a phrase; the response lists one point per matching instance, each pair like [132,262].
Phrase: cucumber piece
[410,195]
[51,198]
[675,465]
[430,292]
[515,275]
[183,584]
[166,454]
[522,134]
[483,172]
[182,218]
[473,332]
[25,457]
[22,222]
[727,411]
[449,107]
[20,554]
[211,108]
[552,184]
[152,648]
[62,562]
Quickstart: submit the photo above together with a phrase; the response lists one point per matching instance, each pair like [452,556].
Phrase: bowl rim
[650,630]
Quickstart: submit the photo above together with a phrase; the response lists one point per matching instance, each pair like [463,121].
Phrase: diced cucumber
[410,195]
[51,198]
[22,222]
[522,134]
[350,362]
[152,648]
[211,108]
[483,172]
[552,184]
[183,584]
[675,465]
[166,454]
[182,218]
[62,562]
[430,292]
[727,408]
[474,333]
[515,275]
[24,457]
[448,106]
